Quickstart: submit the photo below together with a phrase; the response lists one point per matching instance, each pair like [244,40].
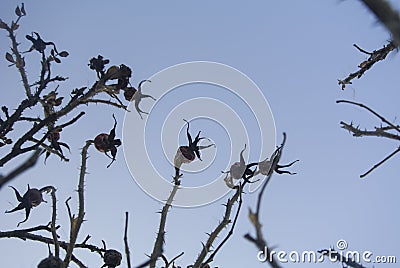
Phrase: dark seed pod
[122,83]
[112,258]
[129,92]
[54,135]
[125,71]
[51,262]
[101,142]
[34,196]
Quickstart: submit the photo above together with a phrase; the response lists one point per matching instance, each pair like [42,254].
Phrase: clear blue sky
[294,51]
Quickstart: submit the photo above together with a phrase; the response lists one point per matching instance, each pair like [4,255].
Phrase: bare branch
[70,122]
[26,235]
[259,240]
[380,163]
[37,228]
[372,111]
[77,222]
[230,233]
[378,132]
[69,209]
[49,149]
[78,262]
[118,105]
[19,60]
[375,56]
[53,223]
[16,150]
[127,252]
[30,162]
[158,245]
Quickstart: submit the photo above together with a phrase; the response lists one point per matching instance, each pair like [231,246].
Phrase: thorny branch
[25,234]
[76,222]
[373,112]
[237,197]
[19,60]
[378,132]
[382,131]
[53,223]
[49,101]
[259,240]
[158,245]
[374,57]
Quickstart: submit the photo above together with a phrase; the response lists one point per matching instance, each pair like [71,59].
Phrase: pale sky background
[294,51]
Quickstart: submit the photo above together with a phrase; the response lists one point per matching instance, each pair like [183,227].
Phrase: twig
[69,209]
[29,119]
[230,233]
[168,263]
[176,257]
[372,111]
[53,223]
[36,228]
[76,222]
[158,245]
[127,252]
[78,262]
[30,162]
[16,150]
[259,240]
[118,105]
[70,122]
[378,132]
[19,61]
[380,163]
[375,56]
[24,235]
[49,149]
[362,50]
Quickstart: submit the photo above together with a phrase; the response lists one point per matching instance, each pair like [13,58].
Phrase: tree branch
[378,132]
[230,233]
[375,56]
[77,222]
[158,245]
[118,105]
[259,240]
[380,163]
[371,111]
[30,162]
[127,252]
[53,223]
